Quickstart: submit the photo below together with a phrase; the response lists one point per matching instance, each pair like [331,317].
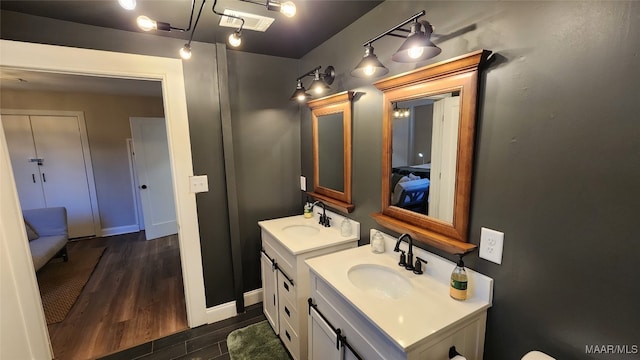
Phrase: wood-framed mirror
[331,127]
[429,117]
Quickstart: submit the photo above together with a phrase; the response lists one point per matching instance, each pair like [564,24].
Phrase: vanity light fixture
[400,113]
[416,47]
[319,85]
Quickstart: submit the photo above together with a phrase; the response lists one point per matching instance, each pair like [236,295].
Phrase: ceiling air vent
[251,21]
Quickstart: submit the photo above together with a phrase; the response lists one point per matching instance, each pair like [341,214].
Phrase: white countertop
[325,237]
[410,320]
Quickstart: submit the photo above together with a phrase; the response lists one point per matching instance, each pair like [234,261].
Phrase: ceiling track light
[145,23]
[319,85]
[287,8]
[416,47]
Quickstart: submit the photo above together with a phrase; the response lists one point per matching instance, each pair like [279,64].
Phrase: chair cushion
[32,234]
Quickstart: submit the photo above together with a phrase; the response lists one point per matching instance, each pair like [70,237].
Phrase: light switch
[198,184]
[303,183]
[491,242]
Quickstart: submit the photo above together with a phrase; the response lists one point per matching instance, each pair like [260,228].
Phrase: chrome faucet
[407,261]
[324,219]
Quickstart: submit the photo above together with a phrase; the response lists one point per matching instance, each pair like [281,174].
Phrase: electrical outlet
[491,242]
[303,183]
[198,184]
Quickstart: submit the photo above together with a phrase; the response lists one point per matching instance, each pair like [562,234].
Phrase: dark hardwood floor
[134,296]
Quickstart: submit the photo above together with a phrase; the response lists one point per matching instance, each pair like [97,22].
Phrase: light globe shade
[235,39]
[145,23]
[369,66]
[127,4]
[288,9]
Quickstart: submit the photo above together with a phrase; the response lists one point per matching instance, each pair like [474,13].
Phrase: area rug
[256,342]
[62,282]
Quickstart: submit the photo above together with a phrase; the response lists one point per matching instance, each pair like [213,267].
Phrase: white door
[49,165]
[269,295]
[444,152]
[153,168]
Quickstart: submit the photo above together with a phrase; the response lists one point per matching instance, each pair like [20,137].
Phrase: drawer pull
[287,334]
[287,311]
[286,287]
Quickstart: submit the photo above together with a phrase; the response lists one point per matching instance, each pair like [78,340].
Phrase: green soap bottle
[458,287]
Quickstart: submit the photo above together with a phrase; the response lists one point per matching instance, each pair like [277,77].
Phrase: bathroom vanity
[364,306]
[286,244]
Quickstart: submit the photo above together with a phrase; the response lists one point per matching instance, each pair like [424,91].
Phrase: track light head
[287,8]
[235,39]
[185,52]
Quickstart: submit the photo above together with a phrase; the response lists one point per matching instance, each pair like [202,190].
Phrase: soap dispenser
[345,228]
[308,213]
[458,288]
[377,243]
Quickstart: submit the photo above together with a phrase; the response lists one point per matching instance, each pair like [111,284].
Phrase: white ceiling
[18,79]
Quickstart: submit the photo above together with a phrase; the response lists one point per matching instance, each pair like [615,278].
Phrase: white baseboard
[228,309]
[253,297]
[118,230]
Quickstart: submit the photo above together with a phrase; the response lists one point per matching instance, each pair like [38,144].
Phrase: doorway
[30,318]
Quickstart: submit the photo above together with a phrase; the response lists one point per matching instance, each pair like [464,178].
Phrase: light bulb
[301,97]
[185,52]
[396,113]
[369,70]
[146,24]
[288,9]
[235,39]
[406,113]
[416,52]
[127,4]
[318,90]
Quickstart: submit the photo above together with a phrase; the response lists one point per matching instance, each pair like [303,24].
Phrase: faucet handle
[327,222]
[417,269]
[403,258]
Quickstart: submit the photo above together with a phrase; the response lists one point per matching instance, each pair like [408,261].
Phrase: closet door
[22,151]
[63,174]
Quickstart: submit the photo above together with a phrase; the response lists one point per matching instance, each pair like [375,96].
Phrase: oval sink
[379,281]
[300,230]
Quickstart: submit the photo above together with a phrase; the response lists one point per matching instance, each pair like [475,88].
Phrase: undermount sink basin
[379,281]
[300,230]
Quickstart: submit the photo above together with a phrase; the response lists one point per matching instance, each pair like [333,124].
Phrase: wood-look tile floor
[134,296]
[207,342]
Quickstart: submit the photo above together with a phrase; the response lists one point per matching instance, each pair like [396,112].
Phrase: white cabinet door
[23,154]
[63,173]
[269,291]
[323,341]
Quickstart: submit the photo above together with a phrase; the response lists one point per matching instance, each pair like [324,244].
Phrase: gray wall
[557,162]
[277,187]
[266,143]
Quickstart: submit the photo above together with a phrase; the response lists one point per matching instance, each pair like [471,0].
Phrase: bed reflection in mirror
[424,155]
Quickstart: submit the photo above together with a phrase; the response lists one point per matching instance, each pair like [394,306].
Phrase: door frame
[28,332]
[86,151]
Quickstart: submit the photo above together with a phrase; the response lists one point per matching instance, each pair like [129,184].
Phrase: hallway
[135,295]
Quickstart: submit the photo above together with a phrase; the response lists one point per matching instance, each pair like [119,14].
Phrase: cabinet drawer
[286,289]
[290,339]
[289,313]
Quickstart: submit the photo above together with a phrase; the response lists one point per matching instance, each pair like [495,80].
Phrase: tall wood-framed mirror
[429,117]
[331,127]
